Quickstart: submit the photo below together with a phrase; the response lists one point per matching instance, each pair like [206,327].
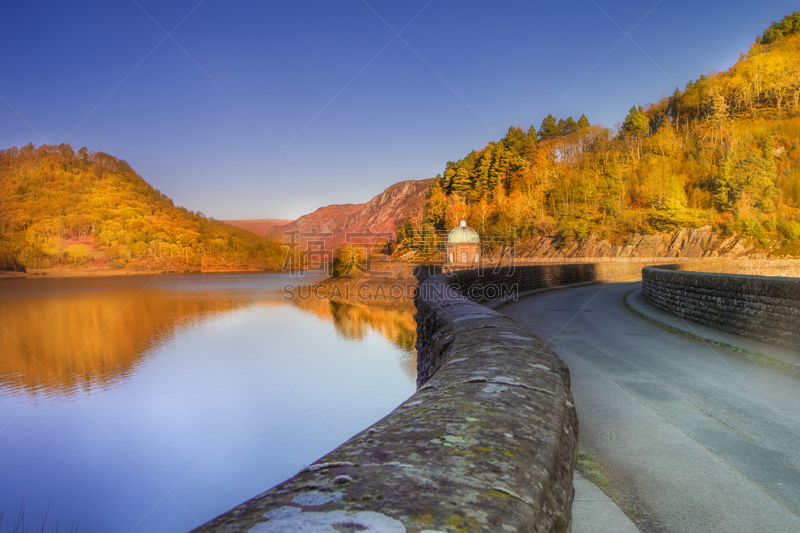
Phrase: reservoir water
[155,403]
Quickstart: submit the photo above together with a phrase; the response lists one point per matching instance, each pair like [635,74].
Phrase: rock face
[684,243]
[402,201]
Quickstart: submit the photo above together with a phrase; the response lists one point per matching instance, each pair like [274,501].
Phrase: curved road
[704,440]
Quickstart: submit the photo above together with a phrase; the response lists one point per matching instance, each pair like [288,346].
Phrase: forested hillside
[724,151]
[62,208]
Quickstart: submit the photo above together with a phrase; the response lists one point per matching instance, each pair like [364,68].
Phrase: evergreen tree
[788,25]
[529,145]
[482,168]
[672,105]
[636,124]
[570,126]
[461,181]
[447,177]
[636,127]
[712,168]
[549,128]
[514,139]
[747,180]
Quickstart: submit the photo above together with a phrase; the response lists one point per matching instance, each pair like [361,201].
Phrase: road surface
[705,440]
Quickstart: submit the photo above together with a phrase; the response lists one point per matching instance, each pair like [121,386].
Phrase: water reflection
[58,337]
[114,391]
[396,324]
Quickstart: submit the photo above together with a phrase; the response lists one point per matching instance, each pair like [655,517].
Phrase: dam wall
[729,297]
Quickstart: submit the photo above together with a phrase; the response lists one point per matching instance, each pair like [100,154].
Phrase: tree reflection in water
[90,334]
[62,336]
[395,323]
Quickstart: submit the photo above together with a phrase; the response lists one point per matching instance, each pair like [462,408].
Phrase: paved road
[705,440]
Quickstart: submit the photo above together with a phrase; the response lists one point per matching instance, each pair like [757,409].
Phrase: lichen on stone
[294,520]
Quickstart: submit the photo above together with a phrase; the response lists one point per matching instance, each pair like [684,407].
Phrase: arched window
[452,258]
[464,257]
[475,257]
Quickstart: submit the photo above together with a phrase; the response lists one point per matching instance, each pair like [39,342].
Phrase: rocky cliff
[684,243]
[402,201]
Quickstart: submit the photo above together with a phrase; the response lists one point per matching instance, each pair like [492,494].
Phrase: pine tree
[636,127]
[636,124]
[788,25]
[514,139]
[529,144]
[570,126]
[549,128]
[481,173]
[447,177]
[461,181]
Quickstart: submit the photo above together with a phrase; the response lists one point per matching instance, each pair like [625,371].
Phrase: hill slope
[327,219]
[63,208]
[258,226]
[724,152]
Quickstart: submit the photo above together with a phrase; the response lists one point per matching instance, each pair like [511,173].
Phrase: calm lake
[155,403]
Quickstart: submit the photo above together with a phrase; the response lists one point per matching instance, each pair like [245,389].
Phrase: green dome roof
[463,234]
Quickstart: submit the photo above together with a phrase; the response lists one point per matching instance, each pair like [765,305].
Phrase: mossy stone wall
[766,308]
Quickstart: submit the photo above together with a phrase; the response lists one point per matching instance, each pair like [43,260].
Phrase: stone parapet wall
[437,295]
[751,267]
[487,443]
[765,308]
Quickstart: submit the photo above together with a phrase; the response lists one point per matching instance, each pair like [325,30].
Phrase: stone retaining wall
[759,307]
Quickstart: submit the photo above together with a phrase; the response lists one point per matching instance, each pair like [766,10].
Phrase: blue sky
[274,108]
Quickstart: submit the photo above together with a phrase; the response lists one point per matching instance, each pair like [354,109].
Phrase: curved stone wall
[487,443]
[759,307]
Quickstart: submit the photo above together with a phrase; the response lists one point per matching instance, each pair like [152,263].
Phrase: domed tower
[463,249]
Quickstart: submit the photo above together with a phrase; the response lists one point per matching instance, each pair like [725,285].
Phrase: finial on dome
[463,223]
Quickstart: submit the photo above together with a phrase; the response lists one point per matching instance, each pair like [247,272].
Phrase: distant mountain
[60,208]
[328,219]
[399,203]
[259,226]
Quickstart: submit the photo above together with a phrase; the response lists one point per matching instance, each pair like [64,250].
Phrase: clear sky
[270,109]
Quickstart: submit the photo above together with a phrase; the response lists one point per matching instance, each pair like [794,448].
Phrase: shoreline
[41,273]
[388,285]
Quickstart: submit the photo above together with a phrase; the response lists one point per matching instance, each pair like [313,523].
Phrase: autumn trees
[766,79]
[59,206]
[724,152]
